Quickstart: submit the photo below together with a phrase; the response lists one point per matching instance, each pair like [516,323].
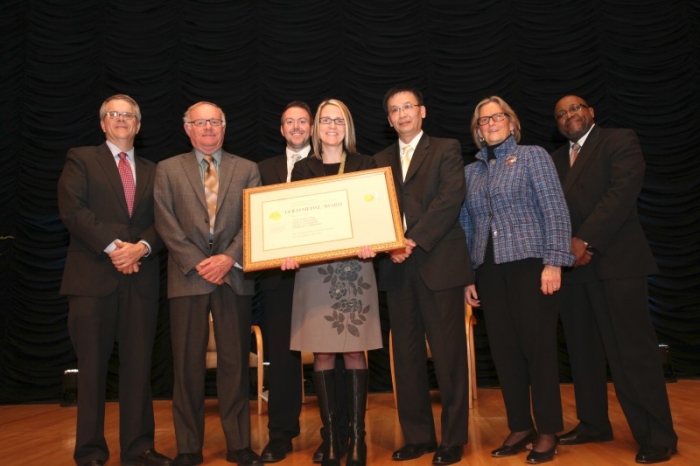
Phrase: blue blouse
[516,199]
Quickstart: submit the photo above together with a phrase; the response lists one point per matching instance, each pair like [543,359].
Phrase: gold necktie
[406,160]
[211,190]
[574,153]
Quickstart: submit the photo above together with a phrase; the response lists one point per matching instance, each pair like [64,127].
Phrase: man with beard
[604,296]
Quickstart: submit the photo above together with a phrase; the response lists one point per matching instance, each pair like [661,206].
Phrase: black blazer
[430,198]
[93,208]
[273,171]
[601,191]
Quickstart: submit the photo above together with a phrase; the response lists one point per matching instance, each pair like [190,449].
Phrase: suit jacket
[92,206]
[430,198]
[182,220]
[273,171]
[601,190]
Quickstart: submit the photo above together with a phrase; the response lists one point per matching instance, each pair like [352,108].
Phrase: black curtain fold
[636,62]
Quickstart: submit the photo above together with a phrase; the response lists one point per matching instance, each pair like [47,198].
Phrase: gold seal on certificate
[320,219]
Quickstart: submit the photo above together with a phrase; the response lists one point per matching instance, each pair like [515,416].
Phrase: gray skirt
[335,308]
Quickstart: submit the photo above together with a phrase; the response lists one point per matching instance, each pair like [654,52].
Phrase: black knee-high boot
[325,391]
[356,382]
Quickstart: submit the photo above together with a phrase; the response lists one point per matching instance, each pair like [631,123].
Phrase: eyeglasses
[573,108]
[483,121]
[405,107]
[125,115]
[328,120]
[202,122]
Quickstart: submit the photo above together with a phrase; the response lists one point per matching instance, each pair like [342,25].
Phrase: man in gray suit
[198,213]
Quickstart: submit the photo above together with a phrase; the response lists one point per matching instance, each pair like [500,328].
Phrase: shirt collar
[216,156]
[116,150]
[304,152]
[582,139]
[413,142]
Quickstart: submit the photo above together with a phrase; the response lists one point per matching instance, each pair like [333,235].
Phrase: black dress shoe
[243,457]
[517,447]
[95,463]
[650,454]
[574,438]
[537,457]
[149,457]
[318,455]
[411,451]
[188,459]
[276,450]
[448,455]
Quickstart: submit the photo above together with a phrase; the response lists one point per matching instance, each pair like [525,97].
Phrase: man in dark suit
[604,297]
[111,278]
[284,373]
[425,282]
[198,211]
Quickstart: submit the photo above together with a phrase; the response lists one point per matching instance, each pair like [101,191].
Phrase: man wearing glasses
[604,296]
[111,279]
[425,282]
[198,211]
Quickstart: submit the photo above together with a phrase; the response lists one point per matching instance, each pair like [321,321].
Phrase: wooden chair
[255,360]
[469,322]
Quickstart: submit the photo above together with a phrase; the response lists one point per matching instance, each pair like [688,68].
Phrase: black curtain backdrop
[635,61]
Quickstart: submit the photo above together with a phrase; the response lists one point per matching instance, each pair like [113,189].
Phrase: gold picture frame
[320,219]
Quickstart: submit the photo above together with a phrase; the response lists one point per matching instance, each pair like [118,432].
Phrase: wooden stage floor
[43,434]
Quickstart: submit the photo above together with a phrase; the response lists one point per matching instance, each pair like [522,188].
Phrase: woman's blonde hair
[348,140]
[505,108]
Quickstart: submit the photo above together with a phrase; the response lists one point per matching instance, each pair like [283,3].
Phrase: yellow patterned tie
[406,160]
[211,189]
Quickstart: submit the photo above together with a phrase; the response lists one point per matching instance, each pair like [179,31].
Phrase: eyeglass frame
[202,122]
[328,120]
[484,120]
[114,115]
[407,107]
[573,108]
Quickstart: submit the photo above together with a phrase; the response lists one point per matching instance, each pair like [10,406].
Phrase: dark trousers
[415,312]
[284,373]
[617,317]
[94,324]
[189,323]
[521,323]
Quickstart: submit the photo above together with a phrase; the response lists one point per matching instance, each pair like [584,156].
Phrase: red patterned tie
[127,181]
[574,153]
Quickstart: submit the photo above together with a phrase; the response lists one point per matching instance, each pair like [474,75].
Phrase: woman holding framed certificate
[335,307]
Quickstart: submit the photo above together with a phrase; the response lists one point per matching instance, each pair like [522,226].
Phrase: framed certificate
[320,219]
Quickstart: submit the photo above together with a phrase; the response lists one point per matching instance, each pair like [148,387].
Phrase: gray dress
[335,308]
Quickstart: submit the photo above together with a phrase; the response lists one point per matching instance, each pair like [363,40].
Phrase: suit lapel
[226,171]
[316,166]
[419,155]
[142,180]
[191,169]
[584,158]
[109,165]
[281,168]
[395,164]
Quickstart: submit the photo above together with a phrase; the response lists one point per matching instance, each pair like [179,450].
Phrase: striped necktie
[211,189]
